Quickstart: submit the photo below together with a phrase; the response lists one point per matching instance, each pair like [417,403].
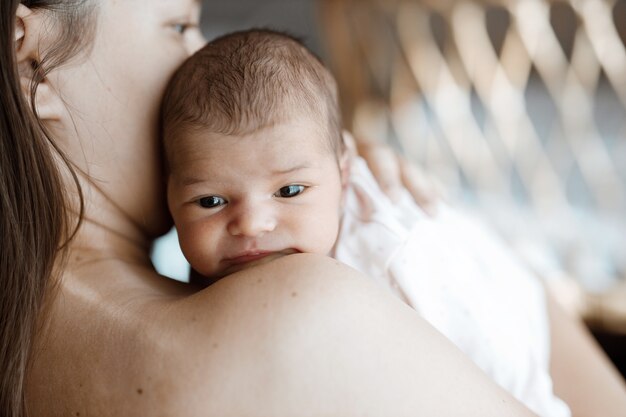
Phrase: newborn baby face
[239,201]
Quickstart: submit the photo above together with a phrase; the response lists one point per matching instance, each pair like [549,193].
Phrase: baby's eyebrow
[292,169]
[185,181]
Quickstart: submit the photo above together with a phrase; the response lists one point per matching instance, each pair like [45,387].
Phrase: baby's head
[255,159]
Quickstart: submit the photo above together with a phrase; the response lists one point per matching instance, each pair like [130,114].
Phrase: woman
[89,328]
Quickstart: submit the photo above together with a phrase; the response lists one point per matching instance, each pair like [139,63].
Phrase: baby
[258,168]
[256,162]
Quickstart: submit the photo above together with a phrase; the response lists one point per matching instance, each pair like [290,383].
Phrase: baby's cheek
[324,233]
[198,249]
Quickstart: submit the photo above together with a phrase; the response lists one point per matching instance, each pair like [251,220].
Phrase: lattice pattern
[518,106]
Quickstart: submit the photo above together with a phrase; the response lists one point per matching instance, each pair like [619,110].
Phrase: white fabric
[459,278]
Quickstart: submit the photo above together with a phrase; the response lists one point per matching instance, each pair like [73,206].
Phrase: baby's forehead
[302,137]
[294,130]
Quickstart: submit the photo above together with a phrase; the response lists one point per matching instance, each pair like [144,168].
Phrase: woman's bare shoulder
[119,338]
[300,335]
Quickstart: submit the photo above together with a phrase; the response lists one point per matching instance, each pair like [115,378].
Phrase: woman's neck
[107,232]
[95,241]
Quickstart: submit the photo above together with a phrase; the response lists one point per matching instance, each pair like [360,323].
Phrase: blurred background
[518,108]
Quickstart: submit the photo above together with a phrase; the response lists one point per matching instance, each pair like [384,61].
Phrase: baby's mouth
[253,258]
[248,257]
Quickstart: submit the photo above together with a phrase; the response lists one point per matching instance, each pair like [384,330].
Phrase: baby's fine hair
[247,80]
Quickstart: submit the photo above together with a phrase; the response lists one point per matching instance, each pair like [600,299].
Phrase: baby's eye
[211,202]
[289,191]
[180,27]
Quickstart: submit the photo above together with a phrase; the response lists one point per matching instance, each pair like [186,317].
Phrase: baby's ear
[348,151]
[349,143]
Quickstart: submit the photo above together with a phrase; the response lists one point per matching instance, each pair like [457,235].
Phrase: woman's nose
[252,221]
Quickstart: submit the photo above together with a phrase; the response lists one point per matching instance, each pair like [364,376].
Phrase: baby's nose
[252,222]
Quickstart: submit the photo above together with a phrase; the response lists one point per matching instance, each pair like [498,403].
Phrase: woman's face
[137,46]
[112,95]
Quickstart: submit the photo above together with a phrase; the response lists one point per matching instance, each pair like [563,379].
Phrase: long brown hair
[35,223]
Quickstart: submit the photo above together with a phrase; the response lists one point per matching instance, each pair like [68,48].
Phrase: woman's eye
[211,202]
[290,191]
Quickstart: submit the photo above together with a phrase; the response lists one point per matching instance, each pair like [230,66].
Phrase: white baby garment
[461,279]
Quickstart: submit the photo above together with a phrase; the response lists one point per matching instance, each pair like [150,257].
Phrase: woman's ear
[28,28]
[19,27]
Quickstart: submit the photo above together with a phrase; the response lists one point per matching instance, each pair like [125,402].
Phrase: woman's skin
[318,341]
[303,335]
